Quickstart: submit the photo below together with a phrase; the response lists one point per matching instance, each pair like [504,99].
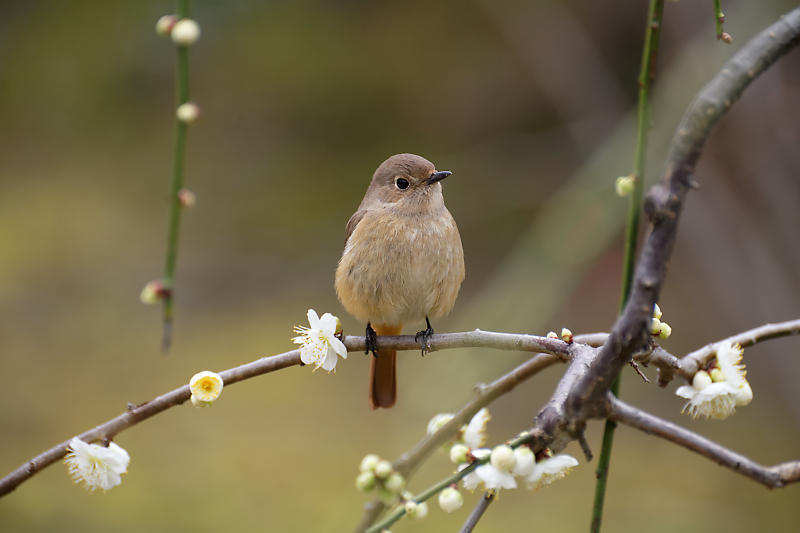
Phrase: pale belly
[395,273]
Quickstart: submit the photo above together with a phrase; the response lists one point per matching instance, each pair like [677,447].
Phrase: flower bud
[624,185]
[153,292]
[566,335]
[395,483]
[525,461]
[187,112]
[385,496]
[450,500]
[383,469]
[656,311]
[458,453]
[701,380]
[369,462]
[655,326]
[185,32]
[665,331]
[716,375]
[502,458]
[365,481]
[186,198]
[552,335]
[418,510]
[165,24]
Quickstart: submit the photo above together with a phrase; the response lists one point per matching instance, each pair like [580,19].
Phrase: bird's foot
[424,337]
[371,341]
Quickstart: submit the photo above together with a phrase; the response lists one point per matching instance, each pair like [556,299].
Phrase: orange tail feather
[383,372]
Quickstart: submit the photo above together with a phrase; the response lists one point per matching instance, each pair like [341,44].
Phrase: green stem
[719,18]
[182,96]
[631,230]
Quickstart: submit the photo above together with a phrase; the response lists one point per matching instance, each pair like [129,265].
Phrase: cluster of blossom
[320,343]
[377,474]
[502,465]
[719,388]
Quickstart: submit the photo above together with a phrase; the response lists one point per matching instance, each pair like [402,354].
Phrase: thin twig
[477,513]
[175,207]
[773,477]
[134,415]
[692,362]
[646,75]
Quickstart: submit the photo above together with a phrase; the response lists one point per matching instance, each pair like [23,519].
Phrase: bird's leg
[423,337]
[371,341]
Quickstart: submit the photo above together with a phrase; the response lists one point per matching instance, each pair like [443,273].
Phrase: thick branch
[772,477]
[663,206]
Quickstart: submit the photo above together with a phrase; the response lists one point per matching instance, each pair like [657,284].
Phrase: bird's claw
[424,337]
[371,341]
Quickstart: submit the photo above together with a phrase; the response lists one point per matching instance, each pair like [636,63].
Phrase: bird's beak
[437,176]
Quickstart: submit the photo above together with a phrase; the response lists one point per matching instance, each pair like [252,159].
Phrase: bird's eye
[401,183]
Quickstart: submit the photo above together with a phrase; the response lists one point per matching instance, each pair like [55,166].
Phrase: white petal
[438,421]
[328,323]
[686,391]
[313,319]
[475,432]
[494,478]
[339,347]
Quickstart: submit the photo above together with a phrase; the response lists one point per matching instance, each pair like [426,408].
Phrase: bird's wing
[353,222]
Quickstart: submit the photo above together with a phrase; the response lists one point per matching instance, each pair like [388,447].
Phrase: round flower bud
[717,375]
[383,469]
[153,292]
[656,311]
[450,500]
[418,511]
[395,483]
[525,461]
[458,453]
[185,32]
[701,380]
[566,335]
[655,326]
[365,481]
[385,496]
[624,185]
[665,331]
[369,462]
[502,458]
[187,112]
[165,24]
[410,506]
[552,335]
[186,198]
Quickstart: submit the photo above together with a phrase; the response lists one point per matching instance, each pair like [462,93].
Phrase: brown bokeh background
[530,104]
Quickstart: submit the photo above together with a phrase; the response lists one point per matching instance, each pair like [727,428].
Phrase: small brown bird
[402,261]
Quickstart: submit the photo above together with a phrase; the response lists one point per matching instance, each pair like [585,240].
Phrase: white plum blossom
[551,469]
[319,345]
[97,467]
[525,461]
[718,398]
[206,386]
[474,434]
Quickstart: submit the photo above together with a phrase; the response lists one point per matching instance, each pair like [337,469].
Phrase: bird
[403,262]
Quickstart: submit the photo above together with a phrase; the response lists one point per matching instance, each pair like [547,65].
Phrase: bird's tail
[383,372]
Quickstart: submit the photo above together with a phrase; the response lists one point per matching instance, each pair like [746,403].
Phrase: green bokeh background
[528,103]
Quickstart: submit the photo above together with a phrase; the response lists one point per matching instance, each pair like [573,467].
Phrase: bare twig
[773,477]
[477,513]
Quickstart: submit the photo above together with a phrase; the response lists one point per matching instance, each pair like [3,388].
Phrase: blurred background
[530,104]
